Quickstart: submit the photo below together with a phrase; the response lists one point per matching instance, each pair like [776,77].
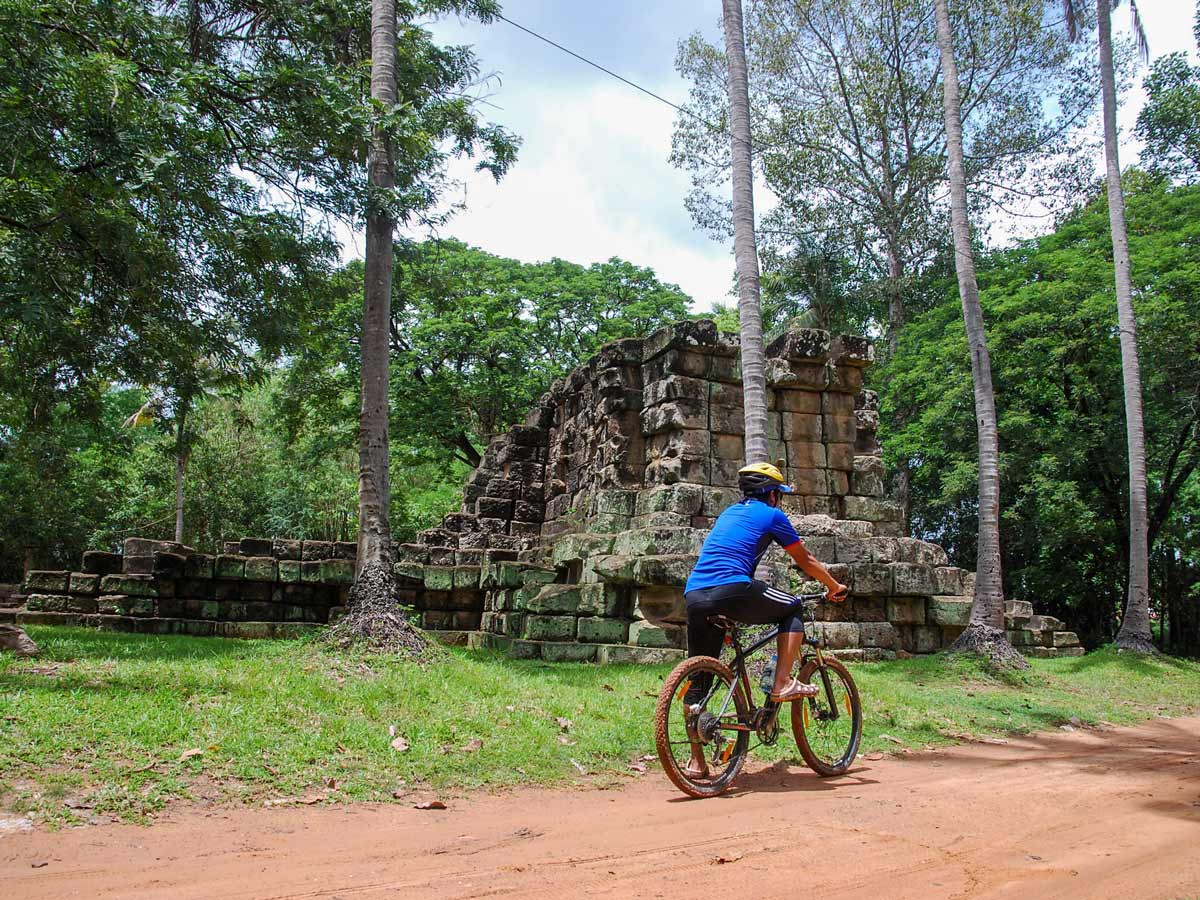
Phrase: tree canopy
[169,171]
[1053,335]
[848,131]
[476,338]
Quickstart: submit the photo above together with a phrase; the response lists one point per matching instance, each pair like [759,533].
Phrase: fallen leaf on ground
[40,864]
[473,745]
[638,767]
[608,687]
[341,748]
[430,804]
[74,803]
[992,741]
[563,723]
[894,740]
[510,708]
[648,757]
[579,767]
[566,741]
[874,757]
[331,783]
[446,748]
[188,754]
[399,793]
[311,798]
[400,743]
[723,860]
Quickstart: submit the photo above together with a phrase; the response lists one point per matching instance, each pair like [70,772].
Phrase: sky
[592,178]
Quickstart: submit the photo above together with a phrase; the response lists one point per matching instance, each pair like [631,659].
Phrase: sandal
[797,690]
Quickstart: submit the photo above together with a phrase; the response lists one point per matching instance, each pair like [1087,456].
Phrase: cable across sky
[621,78]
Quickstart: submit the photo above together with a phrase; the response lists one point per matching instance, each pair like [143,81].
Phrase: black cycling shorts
[755,603]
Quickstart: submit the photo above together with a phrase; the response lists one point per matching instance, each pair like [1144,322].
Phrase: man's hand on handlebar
[837,592]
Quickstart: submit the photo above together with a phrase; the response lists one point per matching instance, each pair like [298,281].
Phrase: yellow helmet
[759,478]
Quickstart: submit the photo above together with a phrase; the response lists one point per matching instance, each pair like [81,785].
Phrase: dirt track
[1088,814]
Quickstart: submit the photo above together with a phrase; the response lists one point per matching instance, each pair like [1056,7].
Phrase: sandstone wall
[580,525]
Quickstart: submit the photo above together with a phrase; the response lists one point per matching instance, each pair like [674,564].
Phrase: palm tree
[754,382]
[985,632]
[372,615]
[1134,633]
[374,489]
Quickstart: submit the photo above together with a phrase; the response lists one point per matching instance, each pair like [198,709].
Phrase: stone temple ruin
[579,527]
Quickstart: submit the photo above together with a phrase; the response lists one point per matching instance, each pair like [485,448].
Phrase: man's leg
[704,639]
[761,604]
[788,648]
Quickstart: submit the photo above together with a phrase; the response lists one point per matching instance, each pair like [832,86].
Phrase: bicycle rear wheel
[828,727]
[677,729]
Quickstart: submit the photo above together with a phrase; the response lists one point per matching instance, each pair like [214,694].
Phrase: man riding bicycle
[722,582]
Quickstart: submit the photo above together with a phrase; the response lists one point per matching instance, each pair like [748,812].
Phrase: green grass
[98,724]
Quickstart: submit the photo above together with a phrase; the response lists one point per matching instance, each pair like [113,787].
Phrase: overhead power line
[621,78]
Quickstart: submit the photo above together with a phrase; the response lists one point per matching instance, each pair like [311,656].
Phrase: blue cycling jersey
[737,541]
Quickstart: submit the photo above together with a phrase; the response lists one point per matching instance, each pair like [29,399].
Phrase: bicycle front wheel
[828,727]
[711,723]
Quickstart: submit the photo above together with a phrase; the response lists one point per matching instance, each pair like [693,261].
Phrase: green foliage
[169,174]
[1052,333]
[476,339]
[847,120]
[1169,123]
[277,719]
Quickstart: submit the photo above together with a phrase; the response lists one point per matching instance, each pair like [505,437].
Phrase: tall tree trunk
[896,318]
[373,616]
[745,251]
[374,490]
[985,633]
[1135,627]
[182,452]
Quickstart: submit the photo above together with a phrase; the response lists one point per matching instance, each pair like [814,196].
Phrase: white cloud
[591,181]
[592,178]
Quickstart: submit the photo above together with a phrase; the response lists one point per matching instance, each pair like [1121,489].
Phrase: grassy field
[105,725]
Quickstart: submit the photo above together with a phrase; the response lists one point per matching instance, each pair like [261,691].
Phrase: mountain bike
[827,727]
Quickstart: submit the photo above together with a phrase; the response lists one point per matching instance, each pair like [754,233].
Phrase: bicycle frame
[738,665]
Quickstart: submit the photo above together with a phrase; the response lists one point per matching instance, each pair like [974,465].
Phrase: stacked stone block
[642,447]
[255,588]
[579,527]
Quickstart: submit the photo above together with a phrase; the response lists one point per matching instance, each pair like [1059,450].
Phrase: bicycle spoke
[684,730]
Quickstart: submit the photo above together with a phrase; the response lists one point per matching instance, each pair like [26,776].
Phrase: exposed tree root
[374,622]
[991,644]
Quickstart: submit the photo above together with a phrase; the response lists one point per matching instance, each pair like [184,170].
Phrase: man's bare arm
[812,567]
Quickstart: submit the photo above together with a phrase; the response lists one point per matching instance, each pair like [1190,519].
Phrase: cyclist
[722,583]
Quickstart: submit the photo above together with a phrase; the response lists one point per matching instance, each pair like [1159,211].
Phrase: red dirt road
[1112,813]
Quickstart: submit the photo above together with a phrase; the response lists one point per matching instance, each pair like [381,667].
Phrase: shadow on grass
[68,644]
[1109,657]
